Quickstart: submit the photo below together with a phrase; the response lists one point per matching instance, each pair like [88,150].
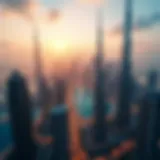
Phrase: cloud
[145,23]
[54,15]
[30,9]
[19,6]
[15,4]
[142,23]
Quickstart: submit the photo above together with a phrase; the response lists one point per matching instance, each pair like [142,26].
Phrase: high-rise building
[38,63]
[152,80]
[99,104]
[20,114]
[94,136]
[59,124]
[126,76]
[148,131]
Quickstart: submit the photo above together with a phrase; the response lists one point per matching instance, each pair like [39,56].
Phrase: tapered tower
[20,114]
[126,76]
[99,104]
[38,63]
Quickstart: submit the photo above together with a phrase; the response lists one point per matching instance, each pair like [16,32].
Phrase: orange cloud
[53,15]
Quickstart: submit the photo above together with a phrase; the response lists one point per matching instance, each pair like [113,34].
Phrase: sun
[60,46]
[57,47]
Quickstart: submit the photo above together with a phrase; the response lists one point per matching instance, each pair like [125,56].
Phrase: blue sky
[113,8]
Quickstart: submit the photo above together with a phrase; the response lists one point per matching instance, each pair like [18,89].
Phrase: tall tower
[20,114]
[38,63]
[152,80]
[59,124]
[126,79]
[99,105]
[148,128]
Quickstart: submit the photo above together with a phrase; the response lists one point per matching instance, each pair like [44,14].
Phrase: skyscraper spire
[100,34]
[99,106]
[37,52]
[128,33]
[38,63]
[126,83]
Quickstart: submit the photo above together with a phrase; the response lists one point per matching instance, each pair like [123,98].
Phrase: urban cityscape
[79,80]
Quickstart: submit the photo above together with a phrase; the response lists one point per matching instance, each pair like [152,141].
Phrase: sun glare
[60,46]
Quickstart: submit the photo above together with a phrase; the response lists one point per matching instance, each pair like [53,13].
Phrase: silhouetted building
[100,126]
[46,98]
[148,130]
[59,124]
[125,95]
[20,115]
[94,137]
[38,63]
[152,80]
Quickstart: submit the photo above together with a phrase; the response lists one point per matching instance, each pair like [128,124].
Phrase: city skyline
[65,38]
[79,79]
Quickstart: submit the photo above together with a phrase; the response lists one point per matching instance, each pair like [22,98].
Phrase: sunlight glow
[60,45]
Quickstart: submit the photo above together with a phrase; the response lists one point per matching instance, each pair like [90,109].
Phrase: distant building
[2,95]
[152,80]
[148,129]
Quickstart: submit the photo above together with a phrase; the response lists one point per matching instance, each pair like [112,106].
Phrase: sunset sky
[72,34]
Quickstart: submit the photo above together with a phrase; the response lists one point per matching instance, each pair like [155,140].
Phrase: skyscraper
[59,124]
[99,104]
[94,136]
[38,62]
[20,114]
[152,80]
[148,130]
[126,76]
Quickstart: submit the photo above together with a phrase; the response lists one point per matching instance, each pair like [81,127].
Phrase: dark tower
[38,64]
[59,126]
[148,128]
[94,137]
[20,114]
[99,104]
[152,80]
[100,140]
[126,77]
